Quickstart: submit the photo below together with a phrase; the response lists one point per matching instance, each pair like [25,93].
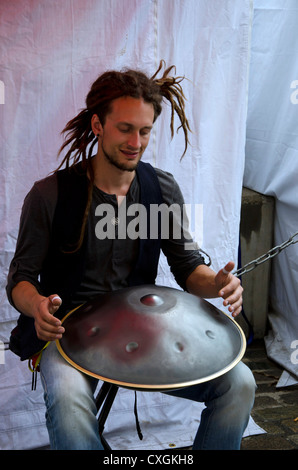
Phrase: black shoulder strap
[145,270]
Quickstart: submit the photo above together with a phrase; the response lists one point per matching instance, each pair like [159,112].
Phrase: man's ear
[96,126]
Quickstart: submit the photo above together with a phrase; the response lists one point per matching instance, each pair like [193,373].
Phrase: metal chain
[270,254]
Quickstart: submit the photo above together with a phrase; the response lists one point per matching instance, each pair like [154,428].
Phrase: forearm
[26,298]
[201,282]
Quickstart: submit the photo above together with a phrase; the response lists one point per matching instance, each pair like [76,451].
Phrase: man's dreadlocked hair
[107,88]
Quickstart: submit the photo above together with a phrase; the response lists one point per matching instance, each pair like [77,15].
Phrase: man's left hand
[230,289]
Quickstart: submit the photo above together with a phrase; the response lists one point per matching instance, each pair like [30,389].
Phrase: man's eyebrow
[129,124]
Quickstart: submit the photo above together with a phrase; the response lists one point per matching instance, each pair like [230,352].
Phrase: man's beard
[121,166]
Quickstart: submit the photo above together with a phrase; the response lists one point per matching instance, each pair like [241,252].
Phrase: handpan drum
[151,338]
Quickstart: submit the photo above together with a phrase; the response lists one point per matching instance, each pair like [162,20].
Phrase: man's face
[126,132]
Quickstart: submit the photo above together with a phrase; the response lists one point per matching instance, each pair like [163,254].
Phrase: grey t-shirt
[112,237]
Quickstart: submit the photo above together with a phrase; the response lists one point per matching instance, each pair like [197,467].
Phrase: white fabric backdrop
[51,52]
[272,159]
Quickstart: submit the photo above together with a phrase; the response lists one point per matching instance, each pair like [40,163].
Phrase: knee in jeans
[245,383]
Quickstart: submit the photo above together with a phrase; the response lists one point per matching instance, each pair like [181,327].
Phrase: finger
[55,302]
[55,299]
[224,277]
[235,309]
[234,301]
[233,305]
[228,268]
[49,336]
[49,331]
[231,288]
[232,292]
[48,327]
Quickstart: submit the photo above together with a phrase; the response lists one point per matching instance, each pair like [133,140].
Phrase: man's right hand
[28,301]
[47,326]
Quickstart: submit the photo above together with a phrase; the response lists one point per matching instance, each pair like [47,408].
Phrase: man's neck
[111,179]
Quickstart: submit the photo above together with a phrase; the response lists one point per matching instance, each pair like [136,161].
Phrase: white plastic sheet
[51,52]
[272,159]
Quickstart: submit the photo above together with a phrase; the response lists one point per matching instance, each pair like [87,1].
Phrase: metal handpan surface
[151,338]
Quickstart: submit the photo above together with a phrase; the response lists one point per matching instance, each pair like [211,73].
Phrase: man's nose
[134,140]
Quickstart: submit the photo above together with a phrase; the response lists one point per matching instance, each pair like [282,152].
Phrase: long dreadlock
[108,87]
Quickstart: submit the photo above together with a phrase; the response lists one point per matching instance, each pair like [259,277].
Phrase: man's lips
[130,154]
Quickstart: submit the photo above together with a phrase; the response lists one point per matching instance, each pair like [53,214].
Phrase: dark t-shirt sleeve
[182,253]
[34,234]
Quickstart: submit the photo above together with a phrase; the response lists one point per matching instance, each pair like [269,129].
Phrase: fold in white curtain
[272,159]
[51,52]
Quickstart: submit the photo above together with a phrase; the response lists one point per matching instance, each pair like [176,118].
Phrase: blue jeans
[71,411]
